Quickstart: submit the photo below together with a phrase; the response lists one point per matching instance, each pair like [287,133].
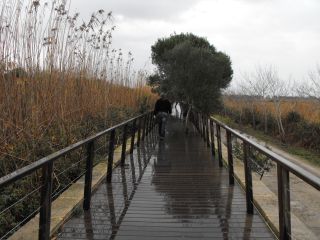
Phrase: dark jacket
[162,105]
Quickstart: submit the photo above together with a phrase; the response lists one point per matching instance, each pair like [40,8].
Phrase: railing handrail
[46,164]
[205,126]
[300,172]
[24,171]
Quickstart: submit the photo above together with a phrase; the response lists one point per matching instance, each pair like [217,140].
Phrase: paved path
[173,191]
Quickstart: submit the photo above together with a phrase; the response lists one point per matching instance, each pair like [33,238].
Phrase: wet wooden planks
[175,191]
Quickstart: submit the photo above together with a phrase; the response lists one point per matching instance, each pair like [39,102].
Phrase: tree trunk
[175,107]
[283,134]
[265,120]
[279,121]
[253,117]
[187,119]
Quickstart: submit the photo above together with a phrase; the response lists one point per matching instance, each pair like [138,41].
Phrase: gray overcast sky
[282,33]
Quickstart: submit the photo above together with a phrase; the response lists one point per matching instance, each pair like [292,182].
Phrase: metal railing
[208,125]
[141,125]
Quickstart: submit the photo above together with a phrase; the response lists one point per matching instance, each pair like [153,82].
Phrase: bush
[293,117]
[143,104]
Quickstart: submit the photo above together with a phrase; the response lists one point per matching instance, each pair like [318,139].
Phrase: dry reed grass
[308,108]
[56,73]
[60,81]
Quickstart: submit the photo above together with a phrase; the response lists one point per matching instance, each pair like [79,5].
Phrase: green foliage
[258,162]
[143,104]
[16,73]
[10,196]
[190,67]
[293,117]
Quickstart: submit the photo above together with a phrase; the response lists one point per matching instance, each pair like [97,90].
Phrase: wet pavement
[171,189]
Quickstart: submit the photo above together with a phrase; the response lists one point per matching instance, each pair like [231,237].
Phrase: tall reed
[55,72]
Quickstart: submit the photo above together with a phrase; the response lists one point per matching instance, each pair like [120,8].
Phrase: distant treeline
[270,99]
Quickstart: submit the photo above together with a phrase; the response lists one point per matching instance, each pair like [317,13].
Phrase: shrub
[293,117]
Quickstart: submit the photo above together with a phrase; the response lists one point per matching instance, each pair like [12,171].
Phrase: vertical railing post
[192,118]
[152,130]
[284,203]
[144,127]
[88,176]
[248,177]
[147,124]
[212,138]
[208,132]
[199,121]
[139,132]
[124,144]
[196,122]
[219,145]
[200,124]
[151,121]
[133,135]
[45,202]
[110,155]
[203,129]
[230,158]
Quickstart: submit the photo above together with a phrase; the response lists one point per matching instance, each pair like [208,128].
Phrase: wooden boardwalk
[172,189]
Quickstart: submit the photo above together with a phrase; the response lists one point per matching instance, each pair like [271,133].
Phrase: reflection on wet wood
[172,191]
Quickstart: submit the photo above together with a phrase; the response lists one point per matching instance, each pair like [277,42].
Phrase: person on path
[161,111]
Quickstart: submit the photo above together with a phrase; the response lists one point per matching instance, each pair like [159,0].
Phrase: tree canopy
[190,71]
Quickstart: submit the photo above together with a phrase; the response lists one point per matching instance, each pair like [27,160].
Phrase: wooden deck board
[174,191]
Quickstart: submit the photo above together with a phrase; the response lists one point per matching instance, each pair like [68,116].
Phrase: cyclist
[161,110]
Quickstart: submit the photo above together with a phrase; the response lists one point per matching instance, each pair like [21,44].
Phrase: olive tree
[190,71]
